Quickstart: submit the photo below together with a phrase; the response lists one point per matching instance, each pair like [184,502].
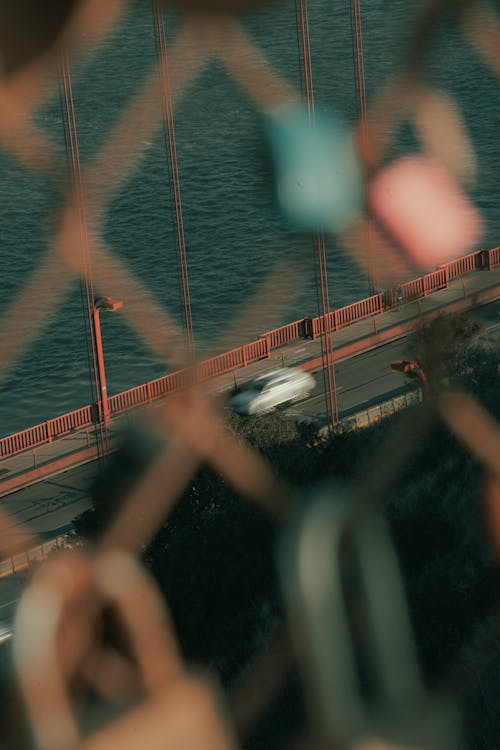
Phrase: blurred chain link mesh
[59,654]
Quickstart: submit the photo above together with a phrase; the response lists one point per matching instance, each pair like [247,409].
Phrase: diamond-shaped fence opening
[60,651]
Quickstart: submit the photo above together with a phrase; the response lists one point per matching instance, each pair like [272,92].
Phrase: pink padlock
[422,208]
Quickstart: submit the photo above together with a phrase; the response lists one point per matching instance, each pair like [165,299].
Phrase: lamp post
[109,305]
[413,369]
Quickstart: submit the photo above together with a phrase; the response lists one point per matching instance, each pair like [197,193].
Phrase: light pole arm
[413,369]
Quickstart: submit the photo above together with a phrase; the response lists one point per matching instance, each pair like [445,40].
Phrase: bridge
[69,440]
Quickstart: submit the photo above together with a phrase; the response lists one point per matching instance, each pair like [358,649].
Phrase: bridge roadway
[48,507]
[363,379]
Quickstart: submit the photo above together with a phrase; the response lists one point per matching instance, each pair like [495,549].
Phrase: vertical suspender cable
[327,353]
[299,52]
[86,285]
[360,87]
[175,185]
[305,54]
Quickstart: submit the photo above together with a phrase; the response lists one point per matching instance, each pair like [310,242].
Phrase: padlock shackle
[127,586]
[54,588]
[119,580]
[312,575]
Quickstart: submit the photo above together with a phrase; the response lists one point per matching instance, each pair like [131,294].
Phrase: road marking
[7,604]
[65,486]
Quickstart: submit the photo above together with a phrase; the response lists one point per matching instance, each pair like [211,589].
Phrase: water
[234,233]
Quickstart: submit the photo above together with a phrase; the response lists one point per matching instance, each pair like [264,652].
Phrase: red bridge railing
[46,431]
[465,264]
[493,258]
[261,348]
[288,333]
[346,315]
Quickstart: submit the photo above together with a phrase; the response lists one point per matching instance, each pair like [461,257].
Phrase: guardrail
[23,560]
[288,333]
[46,431]
[466,264]
[372,414]
[347,315]
[256,350]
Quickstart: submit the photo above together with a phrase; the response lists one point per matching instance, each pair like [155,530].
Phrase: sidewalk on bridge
[293,354]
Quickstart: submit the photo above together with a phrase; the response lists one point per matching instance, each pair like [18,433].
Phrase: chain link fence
[96,657]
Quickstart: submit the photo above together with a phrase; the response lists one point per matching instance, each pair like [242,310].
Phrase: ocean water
[235,234]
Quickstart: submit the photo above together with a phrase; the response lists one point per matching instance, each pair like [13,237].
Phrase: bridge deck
[79,447]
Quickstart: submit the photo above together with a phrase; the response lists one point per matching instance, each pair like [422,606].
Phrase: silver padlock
[179,711]
[351,628]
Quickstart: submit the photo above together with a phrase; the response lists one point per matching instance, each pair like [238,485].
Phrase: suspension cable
[86,283]
[361,110]
[175,185]
[322,290]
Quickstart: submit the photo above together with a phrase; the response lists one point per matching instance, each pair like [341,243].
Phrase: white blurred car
[268,391]
[5,632]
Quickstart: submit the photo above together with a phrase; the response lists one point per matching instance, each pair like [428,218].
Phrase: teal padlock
[318,174]
[351,629]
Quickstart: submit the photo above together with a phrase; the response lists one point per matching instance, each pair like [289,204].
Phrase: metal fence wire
[340,576]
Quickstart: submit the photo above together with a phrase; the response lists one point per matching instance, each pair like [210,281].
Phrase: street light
[109,305]
[412,369]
